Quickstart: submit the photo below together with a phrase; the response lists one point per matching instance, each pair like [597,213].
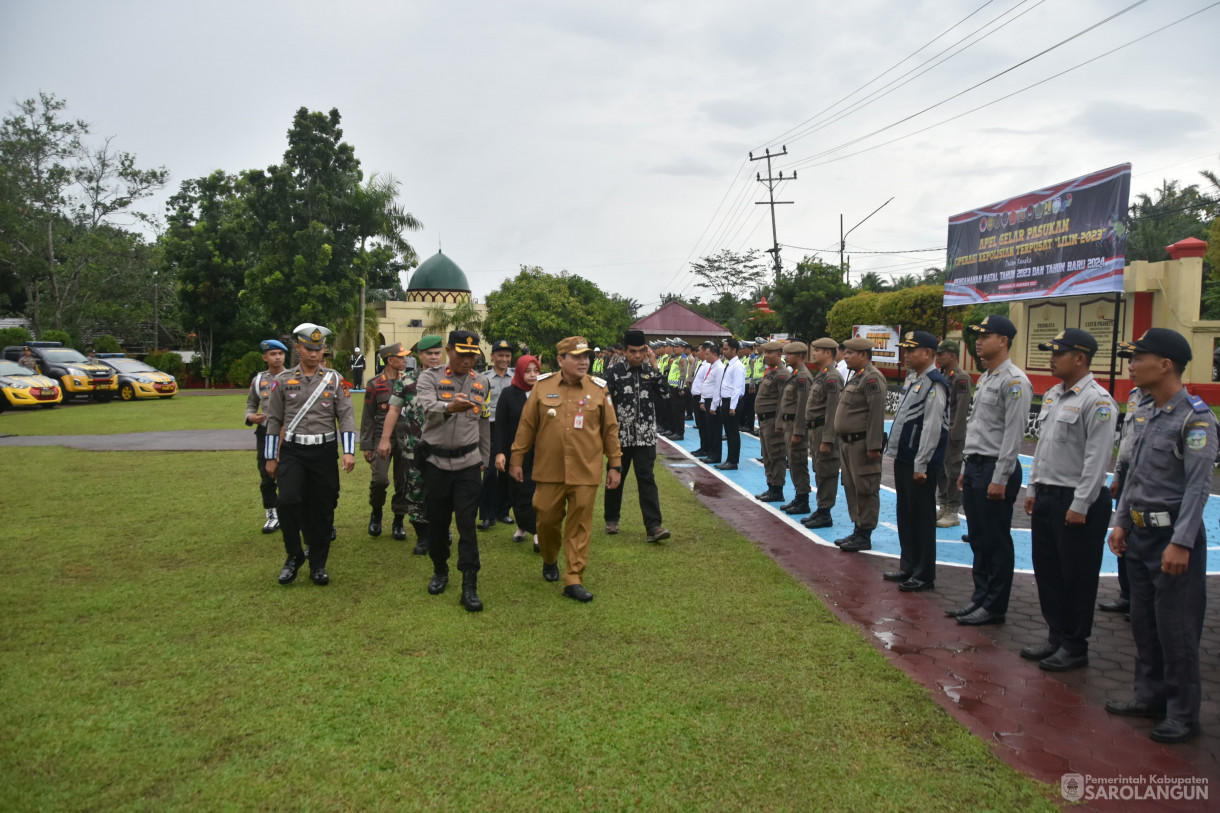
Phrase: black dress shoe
[1036,652]
[965,609]
[289,573]
[438,584]
[470,595]
[1118,605]
[1174,731]
[487,524]
[550,572]
[1063,661]
[895,576]
[578,592]
[320,577]
[375,522]
[504,519]
[979,617]
[698,453]
[727,467]
[1134,708]
[916,586]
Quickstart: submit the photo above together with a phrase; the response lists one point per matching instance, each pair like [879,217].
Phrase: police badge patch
[1196,439]
[1103,413]
[1014,390]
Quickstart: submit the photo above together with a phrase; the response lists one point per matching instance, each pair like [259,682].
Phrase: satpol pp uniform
[770,428]
[820,422]
[860,425]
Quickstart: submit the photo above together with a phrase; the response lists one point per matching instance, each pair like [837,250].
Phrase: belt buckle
[1137,517]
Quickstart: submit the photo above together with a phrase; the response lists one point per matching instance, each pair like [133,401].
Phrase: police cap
[918,338]
[572,346]
[395,349]
[995,324]
[310,335]
[267,345]
[464,341]
[1160,341]
[501,344]
[1072,339]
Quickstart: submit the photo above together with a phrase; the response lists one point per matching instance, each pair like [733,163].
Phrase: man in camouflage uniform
[376,407]
[404,410]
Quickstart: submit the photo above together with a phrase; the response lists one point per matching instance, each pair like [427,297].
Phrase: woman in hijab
[508,415]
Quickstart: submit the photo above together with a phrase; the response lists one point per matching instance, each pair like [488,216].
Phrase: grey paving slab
[195,440]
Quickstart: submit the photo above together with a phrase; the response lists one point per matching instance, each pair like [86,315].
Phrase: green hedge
[168,362]
[107,344]
[920,308]
[10,336]
[242,370]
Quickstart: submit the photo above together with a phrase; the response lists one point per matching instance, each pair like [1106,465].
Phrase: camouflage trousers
[408,499]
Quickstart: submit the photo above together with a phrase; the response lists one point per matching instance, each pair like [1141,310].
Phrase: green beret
[430,341]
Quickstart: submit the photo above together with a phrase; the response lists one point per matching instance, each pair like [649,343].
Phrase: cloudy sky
[611,140]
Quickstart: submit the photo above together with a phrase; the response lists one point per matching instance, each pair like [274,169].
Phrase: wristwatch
[619,469]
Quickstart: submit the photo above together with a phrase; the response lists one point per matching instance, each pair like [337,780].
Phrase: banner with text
[885,340]
[1063,240]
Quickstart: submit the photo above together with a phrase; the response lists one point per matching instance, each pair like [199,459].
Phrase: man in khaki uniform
[570,424]
[860,425]
[454,449]
[306,402]
[792,413]
[823,443]
[948,494]
[770,430]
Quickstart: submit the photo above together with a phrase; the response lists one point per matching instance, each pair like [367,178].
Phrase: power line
[1004,97]
[811,159]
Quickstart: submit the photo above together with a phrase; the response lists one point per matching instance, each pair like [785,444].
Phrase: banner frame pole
[1118,314]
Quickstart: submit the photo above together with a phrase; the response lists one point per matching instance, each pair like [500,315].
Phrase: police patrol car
[137,379]
[78,376]
[22,387]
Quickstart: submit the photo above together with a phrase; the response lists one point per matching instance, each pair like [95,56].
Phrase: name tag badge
[579,421]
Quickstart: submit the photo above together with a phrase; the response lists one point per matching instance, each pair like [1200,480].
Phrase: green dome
[438,272]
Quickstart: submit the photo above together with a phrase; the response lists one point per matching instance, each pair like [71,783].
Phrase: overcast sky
[603,138]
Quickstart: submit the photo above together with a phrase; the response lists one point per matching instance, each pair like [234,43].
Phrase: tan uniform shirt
[434,392]
[260,391]
[770,388]
[792,402]
[334,406]
[570,427]
[862,407]
[822,406]
[959,404]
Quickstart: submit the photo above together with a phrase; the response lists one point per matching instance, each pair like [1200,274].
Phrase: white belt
[308,440]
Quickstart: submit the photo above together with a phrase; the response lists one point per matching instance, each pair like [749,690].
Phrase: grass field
[152,662]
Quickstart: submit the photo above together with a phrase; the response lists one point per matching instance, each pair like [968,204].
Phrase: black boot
[851,537]
[397,530]
[863,541]
[772,494]
[470,595]
[421,539]
[438,583]
[800,505]
[818,519]
[786,506]
[375,522]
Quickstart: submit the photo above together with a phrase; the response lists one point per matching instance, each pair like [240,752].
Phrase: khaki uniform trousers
[798,458]
[554,501]
[947,492]
[826,476]
[774,454]
[861,484]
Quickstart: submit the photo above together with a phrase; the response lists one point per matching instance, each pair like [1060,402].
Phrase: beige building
[438,282]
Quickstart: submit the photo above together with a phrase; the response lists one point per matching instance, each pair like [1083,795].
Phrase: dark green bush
[242,370]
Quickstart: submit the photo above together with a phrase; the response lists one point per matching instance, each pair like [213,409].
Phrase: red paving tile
[1045,725]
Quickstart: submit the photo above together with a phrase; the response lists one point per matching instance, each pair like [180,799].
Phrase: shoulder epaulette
[544,376]
[601,382]
[1198,404]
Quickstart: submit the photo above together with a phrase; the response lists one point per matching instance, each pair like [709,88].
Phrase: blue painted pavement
[750,479]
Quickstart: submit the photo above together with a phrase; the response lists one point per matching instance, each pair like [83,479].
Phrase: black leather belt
[766,416]
[1046,488]
[816,422]
[790,416]
[461,451]
[853,437]
[980,458]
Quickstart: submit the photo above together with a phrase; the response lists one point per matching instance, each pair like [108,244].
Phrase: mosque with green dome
[437,282]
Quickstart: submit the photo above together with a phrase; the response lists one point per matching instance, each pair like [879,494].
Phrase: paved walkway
[1043,724]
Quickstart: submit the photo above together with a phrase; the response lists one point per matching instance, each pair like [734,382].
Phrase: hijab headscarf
[523,364]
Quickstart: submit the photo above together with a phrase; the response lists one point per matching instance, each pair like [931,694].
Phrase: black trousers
[677,412]
[1067,563]
[711,432]
[1124,584]
[732,431]
[916,521]
[745,410]
[989,523]
[521,495]
[309,489]
[494,501]
[700,422]
[449,495]
[692,404]
[1167,622]
[644,459]
[266,484]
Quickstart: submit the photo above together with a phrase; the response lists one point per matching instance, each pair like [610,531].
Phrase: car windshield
[63,355]
[130,366]
[13,368]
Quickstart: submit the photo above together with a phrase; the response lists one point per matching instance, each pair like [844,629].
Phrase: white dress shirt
[696,383]
[712,377]
[733,384]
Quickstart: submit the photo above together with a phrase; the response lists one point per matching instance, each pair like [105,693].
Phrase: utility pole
[771,183]
[843,237]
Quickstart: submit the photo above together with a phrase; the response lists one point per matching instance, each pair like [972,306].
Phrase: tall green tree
[731,272]
[872,282]
[1171,213]
[803,299]
[308,242]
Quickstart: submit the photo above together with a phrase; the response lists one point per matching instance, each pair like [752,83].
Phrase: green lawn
[151,661]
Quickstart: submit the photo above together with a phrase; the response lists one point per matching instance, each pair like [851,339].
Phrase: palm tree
[872,282]
[464,316]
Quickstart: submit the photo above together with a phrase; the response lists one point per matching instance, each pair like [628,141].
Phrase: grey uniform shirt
[434,391]
[921,397]
[1075,440]
[497,383]
[292,391]
[260,391]
[996,424]
[1172,456]
[1126,434]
